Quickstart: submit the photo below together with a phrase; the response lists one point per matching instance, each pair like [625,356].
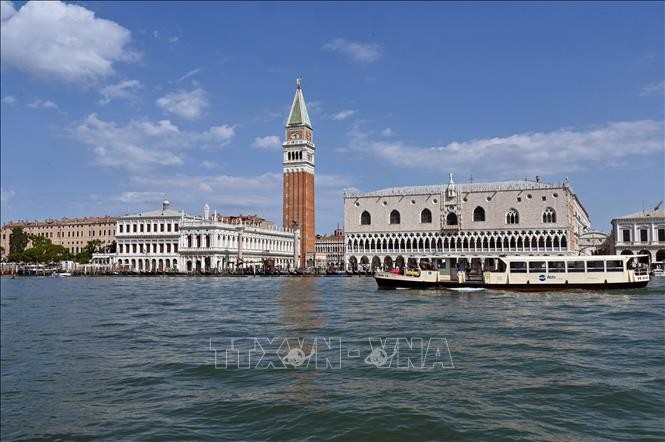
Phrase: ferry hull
[414,283]
[559,287]
[409,282]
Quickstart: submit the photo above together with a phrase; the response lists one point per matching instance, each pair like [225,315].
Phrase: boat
[658,271]
[60,274]
[545,273]
[525,273]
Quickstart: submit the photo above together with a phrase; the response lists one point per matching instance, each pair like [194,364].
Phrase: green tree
[91,247]
[43,251]
[111,248]
[18,240]
[16,257]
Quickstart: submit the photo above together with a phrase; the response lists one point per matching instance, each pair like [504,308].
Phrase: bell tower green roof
[298,115]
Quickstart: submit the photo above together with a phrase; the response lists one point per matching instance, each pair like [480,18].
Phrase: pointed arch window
[512,217]
[451,219]
[365,218]
[426,216]
[395,217]
[549,215]
[478,214]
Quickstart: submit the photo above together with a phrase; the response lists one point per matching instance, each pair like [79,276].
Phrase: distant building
[594,242]
[72,233]
[169,241]
[332,246]
[640,233]
[247,220]
[385,228]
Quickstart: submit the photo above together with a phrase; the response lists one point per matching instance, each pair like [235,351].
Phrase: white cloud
[209,164]
[144,145]
[42,104]
[387,132]
[189,74]
[138,197]
[62,40]
[359,52]
[342,115]
[6,195]
[124,89]
[186,104]
[531,153]
[136,146]
[9,99]
[653,89]
[6,10]
[268,142]
[221,134]
[314,107]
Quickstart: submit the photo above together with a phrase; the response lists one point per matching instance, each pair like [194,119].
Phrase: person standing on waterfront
[461,272]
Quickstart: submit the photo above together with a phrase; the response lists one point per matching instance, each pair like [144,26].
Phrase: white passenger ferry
[528,273]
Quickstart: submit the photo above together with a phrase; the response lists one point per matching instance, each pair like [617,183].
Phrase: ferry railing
[641,271]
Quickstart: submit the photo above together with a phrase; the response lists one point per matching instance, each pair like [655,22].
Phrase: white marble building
[385,228]
[207,244]
[148,241]
[169,241]
[640,233]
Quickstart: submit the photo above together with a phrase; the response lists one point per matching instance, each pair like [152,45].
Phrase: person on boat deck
[461,272]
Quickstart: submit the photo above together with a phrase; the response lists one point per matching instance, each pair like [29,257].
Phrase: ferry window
[426,216]
[595,266]
[615,266]
[575,266]
[394,217]
[479,214]
[556,266]
[517,267]
[537,267]
[643,235]
[625,235]
[365,219]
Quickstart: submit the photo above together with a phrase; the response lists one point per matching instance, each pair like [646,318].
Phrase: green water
[130,358]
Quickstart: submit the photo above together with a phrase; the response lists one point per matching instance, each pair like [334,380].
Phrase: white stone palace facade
[641,233]
[332,247]
[169,241]
[385,228]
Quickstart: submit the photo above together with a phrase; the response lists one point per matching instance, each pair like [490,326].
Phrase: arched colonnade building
[386,228]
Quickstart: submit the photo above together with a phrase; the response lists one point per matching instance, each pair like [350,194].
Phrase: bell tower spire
[299,165]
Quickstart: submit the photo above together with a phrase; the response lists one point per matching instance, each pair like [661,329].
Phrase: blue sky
[108,106]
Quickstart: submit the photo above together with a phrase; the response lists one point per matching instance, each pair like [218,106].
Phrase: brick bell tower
[299,150]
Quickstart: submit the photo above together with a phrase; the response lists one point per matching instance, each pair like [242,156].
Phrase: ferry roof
[568,257]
